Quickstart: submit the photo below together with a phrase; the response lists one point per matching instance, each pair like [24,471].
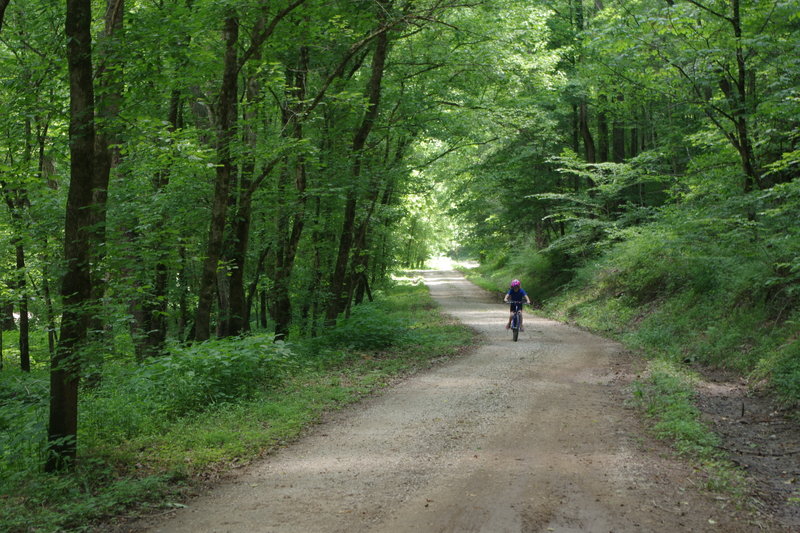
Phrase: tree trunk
[50,315]
[223,302]
[339,290]
[24,327]
[50,318]
[586,134]
[235,320]
[241,235]
[157,308]
[289,240]
[263,308]
[226,135]
[107,141]
[602,130]
[253,288]
[7,320]
[76,285]
[317,305]
[183,299]
[16,199]
[361,257]
[149,309]
[281,304]
[742,110]
[238,313]
[618,133]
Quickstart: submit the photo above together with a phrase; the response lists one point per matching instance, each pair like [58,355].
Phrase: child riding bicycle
[515,296]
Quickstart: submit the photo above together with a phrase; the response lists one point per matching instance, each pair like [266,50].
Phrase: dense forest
[181,172]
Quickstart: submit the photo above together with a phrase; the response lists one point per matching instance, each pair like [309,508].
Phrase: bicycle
[516,319]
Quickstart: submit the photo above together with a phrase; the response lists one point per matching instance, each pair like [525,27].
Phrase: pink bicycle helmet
[515,283]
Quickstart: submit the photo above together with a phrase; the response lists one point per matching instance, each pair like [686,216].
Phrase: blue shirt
[517,296]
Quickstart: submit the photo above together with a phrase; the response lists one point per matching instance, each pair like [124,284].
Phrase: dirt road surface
[531,436]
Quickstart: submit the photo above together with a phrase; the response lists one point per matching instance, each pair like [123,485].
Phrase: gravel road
[531,436]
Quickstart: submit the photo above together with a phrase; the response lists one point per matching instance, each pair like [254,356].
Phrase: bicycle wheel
[515,326]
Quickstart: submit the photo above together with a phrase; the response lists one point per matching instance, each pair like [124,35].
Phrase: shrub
[786,374]
[187,380]
[191,378]
[369,328]
[23,410]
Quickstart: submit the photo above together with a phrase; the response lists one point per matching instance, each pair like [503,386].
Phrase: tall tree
[339,289]
[76,283]
[226,117]
[228,127]
[108,138]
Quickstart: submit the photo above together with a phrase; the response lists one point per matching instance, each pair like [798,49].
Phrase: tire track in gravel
[530,436]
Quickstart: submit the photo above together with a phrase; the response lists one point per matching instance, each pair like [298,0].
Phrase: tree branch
[453,149]
[354,48]
[264,173]
[263,31]
[709,10]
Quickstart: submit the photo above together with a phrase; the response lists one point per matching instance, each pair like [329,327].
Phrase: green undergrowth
[149,432]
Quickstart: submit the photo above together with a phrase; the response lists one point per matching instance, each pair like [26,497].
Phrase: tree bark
[361,257]
[737,95]
[50,318]
[226,135]
[236,312]
[7,319]
[50,315]
[742,110]
[76,284]
[183,298]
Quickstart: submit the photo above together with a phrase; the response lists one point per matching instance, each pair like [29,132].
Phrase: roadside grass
[143,445]
[665,396]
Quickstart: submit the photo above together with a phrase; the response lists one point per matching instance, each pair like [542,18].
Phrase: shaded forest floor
[759,438]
